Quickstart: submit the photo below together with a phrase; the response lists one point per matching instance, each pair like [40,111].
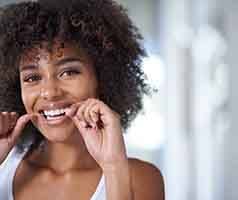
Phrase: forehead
[55,51]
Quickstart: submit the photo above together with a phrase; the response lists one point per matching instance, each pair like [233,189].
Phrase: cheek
[25,99]
[88,90]
[28,98]
[23,96]
[92,85]
[85,87]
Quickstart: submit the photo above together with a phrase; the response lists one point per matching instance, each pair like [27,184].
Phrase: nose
[51,90]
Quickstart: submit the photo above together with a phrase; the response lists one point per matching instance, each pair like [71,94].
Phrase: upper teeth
[54,112]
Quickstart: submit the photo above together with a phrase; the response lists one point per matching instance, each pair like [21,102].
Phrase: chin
[56,137]
[58,133]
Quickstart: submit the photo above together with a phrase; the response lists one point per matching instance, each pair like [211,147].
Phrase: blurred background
[188,128]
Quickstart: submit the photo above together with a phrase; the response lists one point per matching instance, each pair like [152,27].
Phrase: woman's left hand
[101,130]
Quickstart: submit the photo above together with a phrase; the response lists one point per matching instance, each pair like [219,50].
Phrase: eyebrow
[67,60]
[58,63]
[28,67]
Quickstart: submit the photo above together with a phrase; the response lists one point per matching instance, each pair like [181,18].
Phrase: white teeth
[52,113]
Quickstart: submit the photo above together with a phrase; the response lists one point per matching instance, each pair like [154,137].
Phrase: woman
[71,83]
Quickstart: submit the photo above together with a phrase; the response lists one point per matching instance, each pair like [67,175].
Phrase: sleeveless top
[8,169]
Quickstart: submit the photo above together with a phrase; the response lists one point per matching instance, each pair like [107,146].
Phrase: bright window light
[148,130]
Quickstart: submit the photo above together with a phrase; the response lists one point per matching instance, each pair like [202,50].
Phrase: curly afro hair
[101,28]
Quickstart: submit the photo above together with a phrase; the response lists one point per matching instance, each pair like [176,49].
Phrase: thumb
[81,125]
[20,125]
[70,112]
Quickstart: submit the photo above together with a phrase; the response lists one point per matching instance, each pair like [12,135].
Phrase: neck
[64,157]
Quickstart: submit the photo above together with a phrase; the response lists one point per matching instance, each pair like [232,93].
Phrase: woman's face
[52,81]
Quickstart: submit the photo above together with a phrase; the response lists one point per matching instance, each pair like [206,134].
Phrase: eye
[69,72]
[31,78]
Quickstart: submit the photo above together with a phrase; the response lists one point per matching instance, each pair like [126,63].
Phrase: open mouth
[53,114]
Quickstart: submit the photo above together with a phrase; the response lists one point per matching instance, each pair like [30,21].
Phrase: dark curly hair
[101,28]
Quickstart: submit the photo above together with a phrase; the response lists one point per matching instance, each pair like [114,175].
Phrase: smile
[54,117]
[50,114]
[54,113]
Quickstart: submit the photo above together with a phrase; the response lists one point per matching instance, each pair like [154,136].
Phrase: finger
[5,121]
[96,116]
[81,125]
[75,113]
[71,112]
[21,123]
[9,121]
[88,111]
[1,124]
[14,117]
[80,112]
[94,113]
[104,114]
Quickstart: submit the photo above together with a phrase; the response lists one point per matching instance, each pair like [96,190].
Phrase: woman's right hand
[11,127]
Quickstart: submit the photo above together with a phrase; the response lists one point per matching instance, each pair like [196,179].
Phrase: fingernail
[12,124]
[94,117]
[13,113]
[83,124]
[34,116]
[67,111]
[95,127]
[70,111]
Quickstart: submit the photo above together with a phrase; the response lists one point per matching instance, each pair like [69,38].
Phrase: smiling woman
[50,84]
[70,85]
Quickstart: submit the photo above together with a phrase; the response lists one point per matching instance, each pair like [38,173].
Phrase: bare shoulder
[147,180]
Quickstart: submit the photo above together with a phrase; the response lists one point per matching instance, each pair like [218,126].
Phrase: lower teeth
[53,117]
[48,117]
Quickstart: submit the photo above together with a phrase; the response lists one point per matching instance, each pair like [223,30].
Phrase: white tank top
[8,170]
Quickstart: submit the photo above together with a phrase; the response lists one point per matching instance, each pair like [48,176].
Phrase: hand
[101,130]
[11,127]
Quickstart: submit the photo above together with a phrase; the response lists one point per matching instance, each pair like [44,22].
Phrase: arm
[10,130]
[101,130]
[134,180]
[147,181]
[119,182]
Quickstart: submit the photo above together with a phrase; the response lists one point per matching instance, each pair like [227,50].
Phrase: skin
[89,141]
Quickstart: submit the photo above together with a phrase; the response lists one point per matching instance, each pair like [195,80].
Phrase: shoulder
[147,180]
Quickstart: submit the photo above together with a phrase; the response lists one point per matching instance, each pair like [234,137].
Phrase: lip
[55,121]
[54,106]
